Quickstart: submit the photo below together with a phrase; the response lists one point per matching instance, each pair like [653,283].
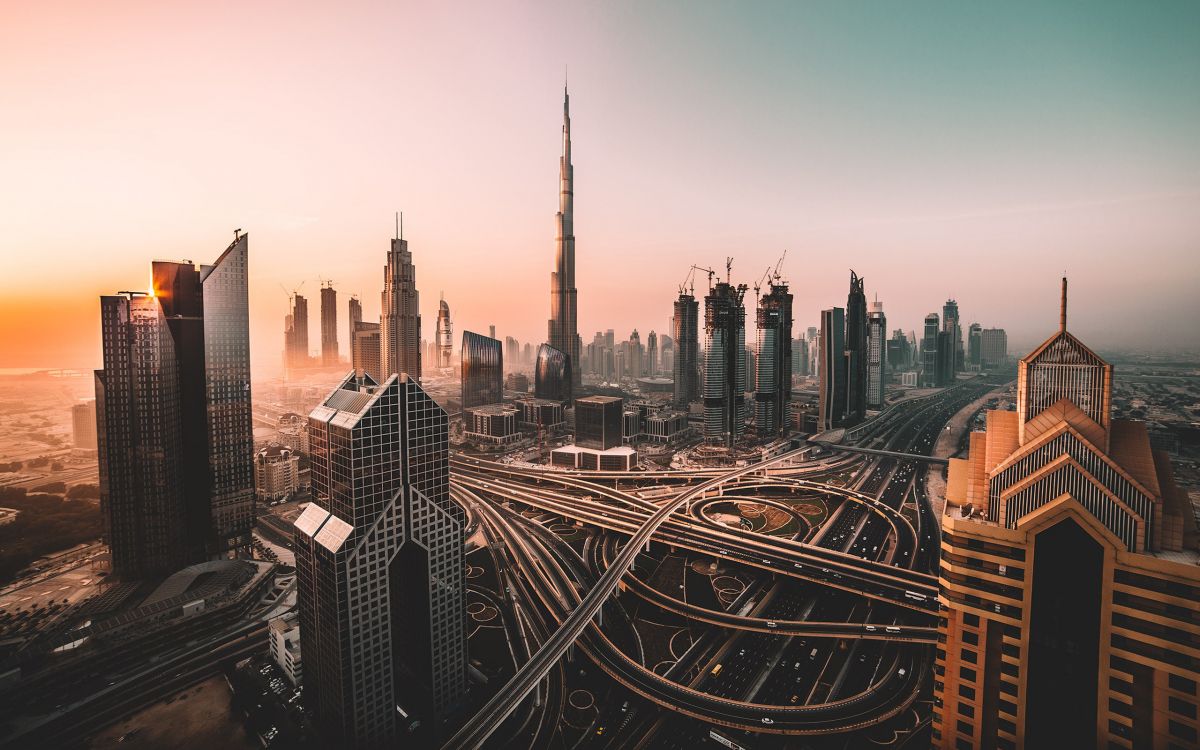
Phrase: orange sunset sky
[939,150]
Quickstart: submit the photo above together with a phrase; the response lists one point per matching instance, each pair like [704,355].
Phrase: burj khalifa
[564,322]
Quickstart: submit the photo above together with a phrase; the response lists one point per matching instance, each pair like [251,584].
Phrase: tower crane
[775,275]
[708,271]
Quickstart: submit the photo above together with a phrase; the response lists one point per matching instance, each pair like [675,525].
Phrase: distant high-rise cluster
[175,433]
[1068,613]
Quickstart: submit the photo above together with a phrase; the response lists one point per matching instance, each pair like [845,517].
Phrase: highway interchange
[829,637]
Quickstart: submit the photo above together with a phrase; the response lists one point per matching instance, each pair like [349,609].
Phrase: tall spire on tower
[1062,308]
[562,327]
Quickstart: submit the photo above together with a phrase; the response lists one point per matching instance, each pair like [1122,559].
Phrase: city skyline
[1032,179]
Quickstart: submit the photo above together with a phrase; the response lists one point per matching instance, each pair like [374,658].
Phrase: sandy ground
[196,719]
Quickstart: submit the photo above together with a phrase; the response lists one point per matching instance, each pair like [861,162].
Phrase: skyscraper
[831,370]
[773,370]
[365,350]
[563,332]
[598,422]
[552,375]
[329,340]
[83,425]
[400,316]
[856,352]
[444,332]
[355,309]
[929,352]
[652,354]
[876,355]
[974,346]
[482,370]
[687,350]
[993,347]
[952,326]
[173,414]
[724,363]
[295,335]
[379,568]
[140,440]
[636,364]
[1069,585]
[944,367]
[512,352]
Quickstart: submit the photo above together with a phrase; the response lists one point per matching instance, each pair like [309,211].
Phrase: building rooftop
[493,409]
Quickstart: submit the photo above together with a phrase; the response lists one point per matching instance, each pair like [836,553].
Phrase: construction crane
[326,282]
[728,270]
[708,271]
[689,281]
[292,294]
[759,284]
[775,275]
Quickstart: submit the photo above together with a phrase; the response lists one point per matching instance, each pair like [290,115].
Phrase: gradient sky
[937,149]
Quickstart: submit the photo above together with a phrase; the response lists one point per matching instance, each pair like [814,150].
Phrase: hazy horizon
[938,150]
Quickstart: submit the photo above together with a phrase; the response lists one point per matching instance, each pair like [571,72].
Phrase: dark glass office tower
[687,349]
[831,405]
[725,364]
[929,352]
[856,352]
[140,440]
[552,375]
[379,562]
[482,370]
[329,339]
[200,379]
[952,326]
[773,386]
[598,422]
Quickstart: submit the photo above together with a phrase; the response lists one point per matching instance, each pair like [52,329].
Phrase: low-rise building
[276,472]
[621,458]
[493,423]
[540,413]
[284,632]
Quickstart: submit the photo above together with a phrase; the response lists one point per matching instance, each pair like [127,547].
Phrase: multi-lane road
[832,640]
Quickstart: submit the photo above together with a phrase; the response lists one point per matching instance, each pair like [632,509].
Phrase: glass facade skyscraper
[174,418]
[831,370]
[724,364]
[379,568]
[773,371]
[482,370]
[687,350]
[552,375]
[856,351]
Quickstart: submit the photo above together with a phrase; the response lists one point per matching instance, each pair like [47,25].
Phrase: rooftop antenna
[1062,313]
